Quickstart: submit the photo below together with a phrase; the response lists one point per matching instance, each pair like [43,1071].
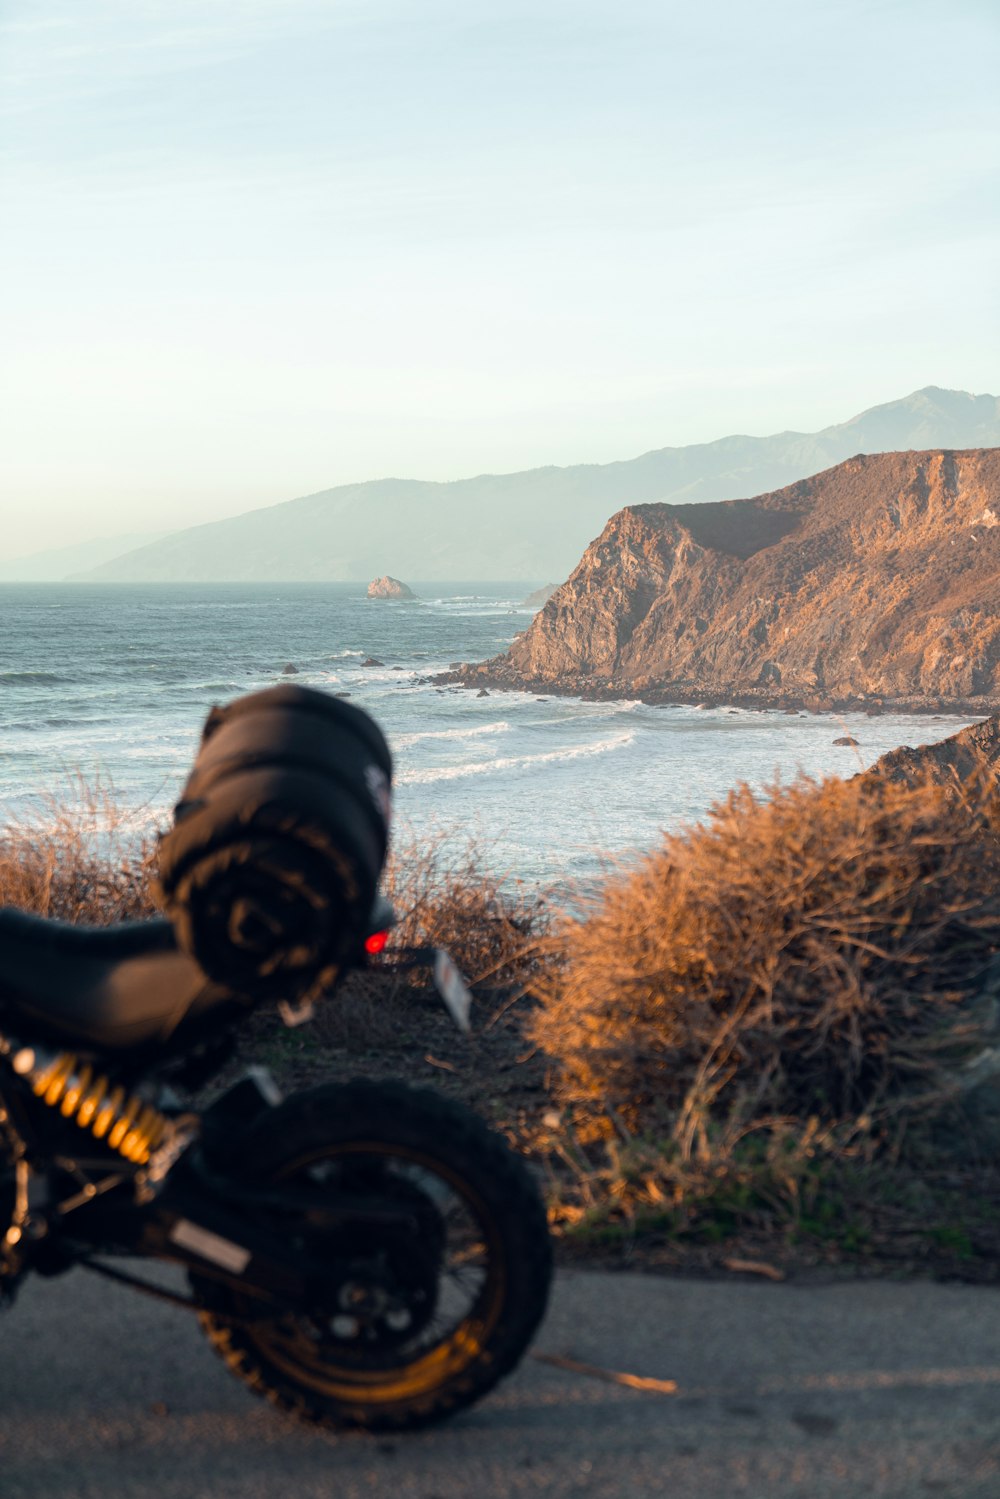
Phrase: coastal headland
[872,586]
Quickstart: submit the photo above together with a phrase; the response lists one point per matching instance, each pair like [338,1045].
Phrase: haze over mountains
[532,525]
[57,563]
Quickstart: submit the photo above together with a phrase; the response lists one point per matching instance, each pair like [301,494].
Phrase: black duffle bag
[271,866]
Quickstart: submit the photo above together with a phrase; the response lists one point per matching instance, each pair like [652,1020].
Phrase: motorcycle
[364,1254]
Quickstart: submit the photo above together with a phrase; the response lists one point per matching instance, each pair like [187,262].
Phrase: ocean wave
[162,752]
[31,679]
[477,604]
[216,605]
[403,741]
[80,724]
[515,762]
[373,677]
[39,725]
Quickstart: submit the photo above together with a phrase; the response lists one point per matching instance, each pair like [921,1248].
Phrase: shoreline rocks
[686,695]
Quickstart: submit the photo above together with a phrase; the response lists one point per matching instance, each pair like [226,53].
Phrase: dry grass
[793,978]
[444,896]
[449,897]
[78,860]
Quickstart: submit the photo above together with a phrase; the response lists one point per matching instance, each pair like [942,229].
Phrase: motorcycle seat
[113,988]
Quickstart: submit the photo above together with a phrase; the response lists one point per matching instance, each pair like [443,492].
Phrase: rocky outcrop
[950,760]
[876,581]
[389,588]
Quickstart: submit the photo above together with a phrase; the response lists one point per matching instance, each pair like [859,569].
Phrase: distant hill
[529,525]
[54,565]
[877,581]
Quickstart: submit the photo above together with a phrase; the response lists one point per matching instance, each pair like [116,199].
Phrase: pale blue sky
[253,248]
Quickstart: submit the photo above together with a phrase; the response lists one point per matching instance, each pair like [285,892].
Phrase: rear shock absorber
[129,1125]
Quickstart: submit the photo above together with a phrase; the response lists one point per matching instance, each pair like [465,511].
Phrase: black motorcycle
[364,1254]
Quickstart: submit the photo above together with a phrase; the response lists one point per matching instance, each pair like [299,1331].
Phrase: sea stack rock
[389,588]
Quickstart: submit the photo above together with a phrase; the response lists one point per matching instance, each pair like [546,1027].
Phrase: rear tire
[418,1357]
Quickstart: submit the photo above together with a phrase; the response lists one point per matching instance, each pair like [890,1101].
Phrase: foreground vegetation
[775,1022]
[771,1041]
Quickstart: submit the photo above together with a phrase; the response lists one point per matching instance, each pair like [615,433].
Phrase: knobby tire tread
[334,1114]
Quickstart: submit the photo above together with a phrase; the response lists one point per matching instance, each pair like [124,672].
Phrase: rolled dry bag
[270,869]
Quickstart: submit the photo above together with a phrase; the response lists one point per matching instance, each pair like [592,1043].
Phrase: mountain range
[529,526]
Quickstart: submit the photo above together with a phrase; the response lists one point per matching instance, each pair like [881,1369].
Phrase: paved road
[785,1392]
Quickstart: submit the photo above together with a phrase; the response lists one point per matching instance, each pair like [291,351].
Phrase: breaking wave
[514,762]
[404,741]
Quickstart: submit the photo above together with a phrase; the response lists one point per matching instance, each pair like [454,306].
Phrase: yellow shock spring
[132,1127]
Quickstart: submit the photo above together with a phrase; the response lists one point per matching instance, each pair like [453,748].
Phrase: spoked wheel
[409,1325]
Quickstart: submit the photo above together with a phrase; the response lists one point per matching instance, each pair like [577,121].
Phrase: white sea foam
[475,605]
[474,731]
[514,762]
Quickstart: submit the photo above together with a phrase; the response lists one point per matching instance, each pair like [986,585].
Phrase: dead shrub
[79,859]
[825,953]
[448,897]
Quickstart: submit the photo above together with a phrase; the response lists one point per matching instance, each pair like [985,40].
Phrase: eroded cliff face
[878,579]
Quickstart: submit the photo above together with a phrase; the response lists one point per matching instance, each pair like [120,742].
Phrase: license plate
[453,989]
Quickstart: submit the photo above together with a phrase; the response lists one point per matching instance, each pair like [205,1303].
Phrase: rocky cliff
[877,580]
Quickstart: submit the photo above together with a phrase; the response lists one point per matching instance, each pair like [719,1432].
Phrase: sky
[250,249]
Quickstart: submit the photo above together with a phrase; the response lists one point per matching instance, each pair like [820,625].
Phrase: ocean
[112,684]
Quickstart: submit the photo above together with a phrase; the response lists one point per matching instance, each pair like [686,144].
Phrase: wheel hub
[383,1300]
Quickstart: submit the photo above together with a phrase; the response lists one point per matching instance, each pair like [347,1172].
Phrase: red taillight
[375,943]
